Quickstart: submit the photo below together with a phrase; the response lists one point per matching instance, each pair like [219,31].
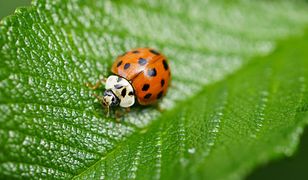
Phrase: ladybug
[141,75]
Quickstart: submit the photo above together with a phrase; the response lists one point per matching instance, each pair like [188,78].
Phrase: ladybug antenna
[106,105]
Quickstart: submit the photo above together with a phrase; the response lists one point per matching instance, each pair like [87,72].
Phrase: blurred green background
[295,167]
[7,7]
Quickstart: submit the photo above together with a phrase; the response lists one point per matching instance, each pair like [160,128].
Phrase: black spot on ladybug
[160,94]
[135,52]
[152,72]
[147,96]
[126,66]
[145,87]
[162,82]
[142,61]
[131,93]
[119,79]
[165,64]
[154,52]
[119,63]
[123,92]
[118,86]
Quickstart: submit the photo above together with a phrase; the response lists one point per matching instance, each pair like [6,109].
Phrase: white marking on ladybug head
[122,90]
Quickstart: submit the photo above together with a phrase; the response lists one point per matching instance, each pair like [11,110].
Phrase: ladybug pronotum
[141,75]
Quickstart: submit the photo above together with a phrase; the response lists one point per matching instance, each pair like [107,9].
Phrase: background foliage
[215,125]
[8,7]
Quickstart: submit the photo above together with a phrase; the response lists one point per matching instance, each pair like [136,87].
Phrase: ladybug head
[110,99]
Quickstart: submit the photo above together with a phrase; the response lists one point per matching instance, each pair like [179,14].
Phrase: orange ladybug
[141,74]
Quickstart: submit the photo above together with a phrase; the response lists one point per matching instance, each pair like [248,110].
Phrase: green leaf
[215,125]
[9,6]
[229,127]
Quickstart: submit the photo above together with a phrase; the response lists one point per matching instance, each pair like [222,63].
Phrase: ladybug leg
[101,81]
[95,86]
[108,111]
[118,115]
[100,99]
[159,108]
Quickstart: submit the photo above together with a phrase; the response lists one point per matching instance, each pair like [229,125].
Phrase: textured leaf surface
[51,127]
[257,113]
